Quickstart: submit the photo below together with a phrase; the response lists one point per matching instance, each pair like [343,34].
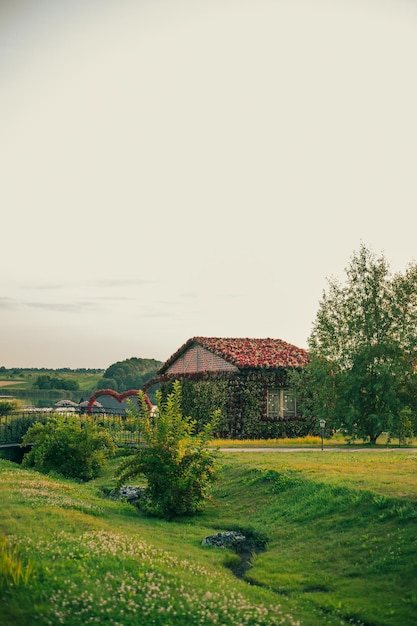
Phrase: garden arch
[120,397]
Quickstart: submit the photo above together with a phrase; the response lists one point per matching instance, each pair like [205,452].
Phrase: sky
[173,168]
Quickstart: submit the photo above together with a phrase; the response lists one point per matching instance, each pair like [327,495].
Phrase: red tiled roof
[248,353]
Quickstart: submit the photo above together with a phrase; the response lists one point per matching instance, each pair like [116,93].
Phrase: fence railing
[13,426]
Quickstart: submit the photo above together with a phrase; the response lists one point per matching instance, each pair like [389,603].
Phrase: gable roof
[245,353]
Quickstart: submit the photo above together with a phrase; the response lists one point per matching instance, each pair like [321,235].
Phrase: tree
[177,463]
[48,381]
[365,337]
[130,374]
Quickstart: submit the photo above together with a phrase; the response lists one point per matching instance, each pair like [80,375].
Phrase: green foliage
[177,463]
[129,374]
[48,381]
[407,425]
[9,405]
[14,426]
[109,383]
[363,348]
[317,389]
[241,400]
[201,398]
[69,447]
[248,395]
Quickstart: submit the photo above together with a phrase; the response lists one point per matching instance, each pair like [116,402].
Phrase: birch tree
[366,333]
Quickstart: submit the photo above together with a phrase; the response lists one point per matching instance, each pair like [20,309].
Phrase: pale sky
[172,168]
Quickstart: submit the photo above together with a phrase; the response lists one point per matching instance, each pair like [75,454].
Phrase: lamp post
[322,425]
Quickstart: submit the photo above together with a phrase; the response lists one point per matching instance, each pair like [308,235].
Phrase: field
[8,383]
[337,531]
[20,384]
[24,378]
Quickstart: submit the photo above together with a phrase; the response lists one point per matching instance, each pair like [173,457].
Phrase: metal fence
[14,425]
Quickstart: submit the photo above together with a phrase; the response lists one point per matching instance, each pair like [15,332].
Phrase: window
[289,404]
[281,404]
[274,404]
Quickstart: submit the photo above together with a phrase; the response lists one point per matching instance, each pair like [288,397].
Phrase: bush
[9,405]
[177,464]
[69,447]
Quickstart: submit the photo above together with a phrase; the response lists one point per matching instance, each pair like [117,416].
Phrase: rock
[226,539]
[131,493]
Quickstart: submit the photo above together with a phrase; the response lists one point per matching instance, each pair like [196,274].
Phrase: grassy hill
[20,378]
[340,531]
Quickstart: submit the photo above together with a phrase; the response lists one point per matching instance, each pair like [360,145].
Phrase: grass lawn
[341,527]
[341,546]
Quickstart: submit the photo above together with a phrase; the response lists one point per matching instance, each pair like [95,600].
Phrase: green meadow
[333,542]
[25,378]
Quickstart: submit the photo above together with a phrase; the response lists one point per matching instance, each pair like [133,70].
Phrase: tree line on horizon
[19,371]
[131,373]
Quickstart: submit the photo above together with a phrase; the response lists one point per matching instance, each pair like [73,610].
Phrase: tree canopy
[363,350]
[129,374]
[48,381]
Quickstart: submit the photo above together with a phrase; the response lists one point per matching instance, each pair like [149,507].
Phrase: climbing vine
[242,401]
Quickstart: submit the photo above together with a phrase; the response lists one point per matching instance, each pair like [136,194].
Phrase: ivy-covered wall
[201,398]
[242,400]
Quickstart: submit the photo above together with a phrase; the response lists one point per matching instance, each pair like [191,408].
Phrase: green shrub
[178,465]
[9,405]
[69,447]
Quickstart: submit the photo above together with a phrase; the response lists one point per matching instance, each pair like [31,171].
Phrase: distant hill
[129,374]
[44,379]
[121,376]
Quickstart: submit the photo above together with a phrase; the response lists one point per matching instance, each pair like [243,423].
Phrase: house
[245,378]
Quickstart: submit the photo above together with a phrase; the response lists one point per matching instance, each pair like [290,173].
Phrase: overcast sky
[172,168]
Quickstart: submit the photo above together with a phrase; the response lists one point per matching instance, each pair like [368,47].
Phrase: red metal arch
[114,394]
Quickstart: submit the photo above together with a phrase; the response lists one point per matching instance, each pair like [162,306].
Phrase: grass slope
[85,560]
[342,531]
[342,547]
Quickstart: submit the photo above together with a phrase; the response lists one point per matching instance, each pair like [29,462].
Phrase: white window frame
[276,402]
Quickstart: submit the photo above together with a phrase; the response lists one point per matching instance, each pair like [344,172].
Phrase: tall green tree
[363,350]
